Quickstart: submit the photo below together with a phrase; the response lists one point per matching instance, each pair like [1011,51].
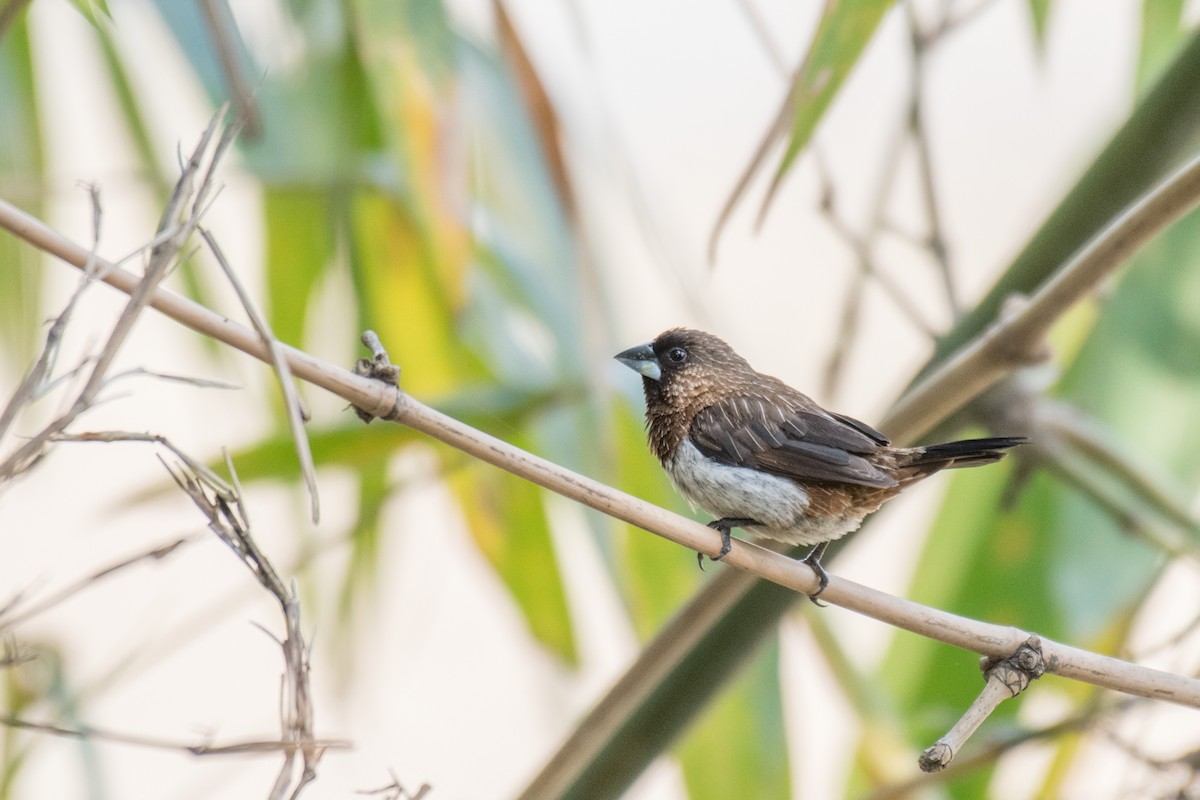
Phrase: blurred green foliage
[405,160]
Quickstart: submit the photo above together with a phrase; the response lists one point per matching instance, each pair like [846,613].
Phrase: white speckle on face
[780,504]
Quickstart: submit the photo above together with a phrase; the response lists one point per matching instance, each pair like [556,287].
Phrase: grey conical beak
[641,359]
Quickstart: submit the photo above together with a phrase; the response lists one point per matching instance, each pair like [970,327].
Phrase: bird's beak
[641,359]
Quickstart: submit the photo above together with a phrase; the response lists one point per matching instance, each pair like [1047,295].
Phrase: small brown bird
[761,456]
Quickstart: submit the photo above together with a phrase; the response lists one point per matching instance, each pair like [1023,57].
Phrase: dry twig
[14,613]
[174,229]
[1005,678]
[291,398]
[90,732]
[222,505]
[396,791]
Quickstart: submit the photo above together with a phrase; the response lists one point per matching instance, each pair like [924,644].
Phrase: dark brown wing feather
[862,427]
[784,439]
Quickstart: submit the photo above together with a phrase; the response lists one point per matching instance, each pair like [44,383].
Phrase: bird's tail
[965,453]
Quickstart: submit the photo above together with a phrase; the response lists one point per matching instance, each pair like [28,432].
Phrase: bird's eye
[677,355]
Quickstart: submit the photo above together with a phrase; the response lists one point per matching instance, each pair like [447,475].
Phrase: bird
[765,458]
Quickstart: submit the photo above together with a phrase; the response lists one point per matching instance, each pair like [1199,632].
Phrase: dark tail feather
[965,453]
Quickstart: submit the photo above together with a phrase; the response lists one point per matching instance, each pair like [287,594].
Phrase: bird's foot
[813,560]
[724,526]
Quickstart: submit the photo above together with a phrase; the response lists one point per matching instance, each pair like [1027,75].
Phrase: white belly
[780,504]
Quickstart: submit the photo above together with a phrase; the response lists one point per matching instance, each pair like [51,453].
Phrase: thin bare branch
[38,378]
[99,734]
[228,46]
[1006,678]
[1132,520]
[162,256]
[762,32]
[1084,436]
[199,383]
[291,398]
[953,20]
[935,242]
[989,752]
[222,505]
[776,131]
[12,616]
[12,655]
[1015,340]
[35,379]
[396,791]
[861,246]
[108,437]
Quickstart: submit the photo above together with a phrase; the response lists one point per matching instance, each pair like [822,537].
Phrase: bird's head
[681,364]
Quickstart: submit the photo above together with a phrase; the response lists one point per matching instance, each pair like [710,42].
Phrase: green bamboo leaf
[421,25]
[187,25]
[738,746]
[300,245]
[406,53]
[842,35]
[94,11]
[1141,495]
[411,258]
[525,244]
[354,446]
[330,99]
[343,143]
[1039,13]
[507,519]
[701,649]
[410,297]
[1148,336]
[21,166]
[1162,32]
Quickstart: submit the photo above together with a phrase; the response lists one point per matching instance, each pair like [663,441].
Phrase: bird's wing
[862,427]
[789,440]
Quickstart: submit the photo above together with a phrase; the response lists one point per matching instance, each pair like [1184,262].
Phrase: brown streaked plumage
[761,456]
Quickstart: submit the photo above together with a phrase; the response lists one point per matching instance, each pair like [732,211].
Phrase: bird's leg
[813,560]
[724,526]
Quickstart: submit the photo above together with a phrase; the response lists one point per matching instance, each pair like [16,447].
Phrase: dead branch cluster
[220,503]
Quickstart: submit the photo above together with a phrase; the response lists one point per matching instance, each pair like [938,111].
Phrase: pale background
[439,693]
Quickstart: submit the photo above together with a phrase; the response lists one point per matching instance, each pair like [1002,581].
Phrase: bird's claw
[724,526]
[813,560]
